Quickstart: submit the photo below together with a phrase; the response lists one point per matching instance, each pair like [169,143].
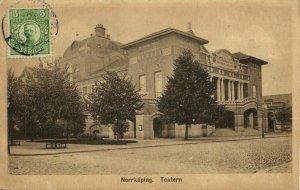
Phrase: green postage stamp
[29,31]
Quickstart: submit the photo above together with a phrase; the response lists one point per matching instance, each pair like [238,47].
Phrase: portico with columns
[232,93]
[234,79]
[228,90]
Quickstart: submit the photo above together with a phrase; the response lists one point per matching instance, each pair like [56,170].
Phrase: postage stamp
[29,31]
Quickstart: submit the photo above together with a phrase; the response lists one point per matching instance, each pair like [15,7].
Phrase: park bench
[57,144]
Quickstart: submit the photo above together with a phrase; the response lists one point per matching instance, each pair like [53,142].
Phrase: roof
[243,57]
[96,44]
[117,66]
[165,32]
[223,51]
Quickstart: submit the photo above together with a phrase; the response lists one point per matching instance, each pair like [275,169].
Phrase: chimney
[108,36]
[100,31]
[190,28]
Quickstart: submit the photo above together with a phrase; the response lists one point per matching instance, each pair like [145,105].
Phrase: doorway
[157,127]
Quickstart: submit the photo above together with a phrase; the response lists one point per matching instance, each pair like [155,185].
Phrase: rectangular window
[158,84]
[142,84]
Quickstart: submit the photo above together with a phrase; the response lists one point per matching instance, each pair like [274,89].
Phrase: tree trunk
[134,129]
[186,131]
[9,136]
[55,133]
[10,129]
[25,131]
[117,129]
[67,131]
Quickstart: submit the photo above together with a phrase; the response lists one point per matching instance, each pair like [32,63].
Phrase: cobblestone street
[244,156]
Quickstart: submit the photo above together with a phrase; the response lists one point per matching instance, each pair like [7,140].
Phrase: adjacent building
[148,61]
[277,104]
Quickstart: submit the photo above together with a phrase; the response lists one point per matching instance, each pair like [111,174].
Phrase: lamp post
[264,106]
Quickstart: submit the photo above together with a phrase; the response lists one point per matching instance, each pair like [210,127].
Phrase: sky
[260,30]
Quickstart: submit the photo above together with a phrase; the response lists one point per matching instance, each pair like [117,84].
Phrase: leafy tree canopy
[114,99]
[284,116]
[188,98]
[47,96]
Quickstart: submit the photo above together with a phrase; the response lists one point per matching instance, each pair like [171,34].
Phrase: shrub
[87,136]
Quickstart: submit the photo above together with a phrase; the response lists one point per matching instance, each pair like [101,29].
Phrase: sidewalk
[38,148]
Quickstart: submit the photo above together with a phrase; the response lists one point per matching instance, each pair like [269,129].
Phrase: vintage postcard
[149,94]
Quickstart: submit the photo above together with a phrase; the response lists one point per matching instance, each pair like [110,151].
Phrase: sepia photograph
[148,91]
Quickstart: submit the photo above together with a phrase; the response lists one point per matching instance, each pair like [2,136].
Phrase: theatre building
[149,60]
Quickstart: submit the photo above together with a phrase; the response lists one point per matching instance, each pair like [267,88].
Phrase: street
[244,156]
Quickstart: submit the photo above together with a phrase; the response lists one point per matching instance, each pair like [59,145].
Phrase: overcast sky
[261,31]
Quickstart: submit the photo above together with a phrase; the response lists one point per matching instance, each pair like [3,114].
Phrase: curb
[147,146]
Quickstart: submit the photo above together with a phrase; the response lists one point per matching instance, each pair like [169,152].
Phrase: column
[242,90]
[229,90]
[232,90]
[218,90]
[222,90]
[239,92]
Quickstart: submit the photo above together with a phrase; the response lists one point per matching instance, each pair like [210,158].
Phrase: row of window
[157,84]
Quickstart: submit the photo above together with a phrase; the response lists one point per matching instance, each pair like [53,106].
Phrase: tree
[49,96]
[284,116]
[187,98]
[13,98]
[114,101]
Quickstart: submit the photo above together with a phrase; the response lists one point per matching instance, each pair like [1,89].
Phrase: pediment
[224,57]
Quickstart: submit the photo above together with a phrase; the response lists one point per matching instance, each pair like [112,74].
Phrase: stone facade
[148,62]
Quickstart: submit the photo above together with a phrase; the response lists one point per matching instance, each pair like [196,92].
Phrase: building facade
[276,104]
[148,62]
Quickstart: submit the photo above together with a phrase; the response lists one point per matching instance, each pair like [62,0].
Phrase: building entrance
[157,128]
[271,121]
[251,119]
[226,120]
